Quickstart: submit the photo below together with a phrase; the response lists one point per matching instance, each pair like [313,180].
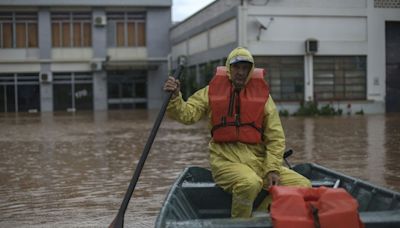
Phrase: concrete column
[242,25]
[100,90]
[155,81]
[308,78]
[99,44]
[376,151]
[158,22]
[44,36]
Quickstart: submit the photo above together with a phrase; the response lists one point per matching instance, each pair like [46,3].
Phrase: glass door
[72,91]
[19,92]
[127,89]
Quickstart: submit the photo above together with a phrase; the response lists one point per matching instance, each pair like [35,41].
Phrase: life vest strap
[314,212]
[236,123]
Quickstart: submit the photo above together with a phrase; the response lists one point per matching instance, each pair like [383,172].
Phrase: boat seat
[319,183]
[198,185]
[196,192]
[315,183]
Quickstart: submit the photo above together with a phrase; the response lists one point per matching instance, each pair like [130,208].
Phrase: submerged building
[73,55]
[344,53]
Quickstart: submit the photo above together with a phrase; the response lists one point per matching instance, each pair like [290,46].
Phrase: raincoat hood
[239,54]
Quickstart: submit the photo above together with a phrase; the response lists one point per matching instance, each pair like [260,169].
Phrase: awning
[150,64]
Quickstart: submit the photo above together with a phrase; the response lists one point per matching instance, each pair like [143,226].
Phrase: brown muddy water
[72,170]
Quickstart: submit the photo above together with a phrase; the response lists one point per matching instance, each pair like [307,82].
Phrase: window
[126,29]
[73,91]
[73,29]
[285,76]
[127,89]
[339,77]
[18,30]
[212,68]
[188,82]
[19,92]
[204,74]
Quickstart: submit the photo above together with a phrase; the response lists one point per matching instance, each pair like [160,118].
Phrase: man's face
[239,73]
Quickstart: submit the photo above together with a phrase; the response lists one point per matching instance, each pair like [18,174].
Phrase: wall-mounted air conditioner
[46,77]
[96,66]
[100,21]
[311,46]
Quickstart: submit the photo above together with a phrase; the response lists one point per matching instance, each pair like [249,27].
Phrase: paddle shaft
[286,155]
[119,220]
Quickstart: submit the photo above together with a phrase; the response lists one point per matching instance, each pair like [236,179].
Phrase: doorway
[392,66]
[72,91]
[127,89]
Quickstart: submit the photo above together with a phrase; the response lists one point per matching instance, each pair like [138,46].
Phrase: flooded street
[72,170]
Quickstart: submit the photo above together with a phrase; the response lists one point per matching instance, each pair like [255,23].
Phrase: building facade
[344,53]
[73,55]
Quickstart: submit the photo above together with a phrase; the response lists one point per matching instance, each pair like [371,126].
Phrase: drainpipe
[242,24]
[169,62]
[308,78]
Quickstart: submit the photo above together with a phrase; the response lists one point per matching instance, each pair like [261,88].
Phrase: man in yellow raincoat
[242,162]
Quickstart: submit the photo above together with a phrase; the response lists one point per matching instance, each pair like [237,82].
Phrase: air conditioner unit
[100,21]
[46,77]
[311,46]
[96,66]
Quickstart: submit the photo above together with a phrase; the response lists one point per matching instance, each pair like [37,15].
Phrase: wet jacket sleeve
[274,138]
[190,111]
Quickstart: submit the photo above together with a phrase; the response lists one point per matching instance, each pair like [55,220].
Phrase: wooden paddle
[118,221]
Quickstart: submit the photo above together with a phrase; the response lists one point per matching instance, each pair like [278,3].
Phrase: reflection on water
[366,147]
[72,170]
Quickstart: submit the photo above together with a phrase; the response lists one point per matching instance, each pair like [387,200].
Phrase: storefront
[19,92]
[72,91]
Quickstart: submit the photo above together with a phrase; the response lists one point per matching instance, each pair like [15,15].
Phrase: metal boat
[196,201]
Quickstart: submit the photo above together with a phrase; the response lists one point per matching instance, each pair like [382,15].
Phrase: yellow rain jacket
[227,160]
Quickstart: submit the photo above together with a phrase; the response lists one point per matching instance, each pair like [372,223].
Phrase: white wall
[376,63]
[179,49]
[336,4]
[299,28]
[223,33]
[198,43]
[71,53]
[18,54]
[217,36]
[19,67]
[127,53]
[286,34]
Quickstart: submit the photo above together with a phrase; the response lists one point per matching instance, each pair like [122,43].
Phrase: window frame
[17,19]
[66,22]
[338,75]
[276,85]
[129,37]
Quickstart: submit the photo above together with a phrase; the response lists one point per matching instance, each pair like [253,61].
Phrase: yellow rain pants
[245,183]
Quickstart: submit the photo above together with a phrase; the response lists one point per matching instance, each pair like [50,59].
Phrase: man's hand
[172,85]
[272,178]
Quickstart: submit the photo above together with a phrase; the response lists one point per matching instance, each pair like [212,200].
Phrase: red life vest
[237,115]
[313,207]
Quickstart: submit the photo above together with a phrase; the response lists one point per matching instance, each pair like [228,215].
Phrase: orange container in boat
[295,207]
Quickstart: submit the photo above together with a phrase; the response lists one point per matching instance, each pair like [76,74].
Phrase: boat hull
[195,201]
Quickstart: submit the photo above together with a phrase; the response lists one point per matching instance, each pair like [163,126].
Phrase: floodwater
[72,169]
